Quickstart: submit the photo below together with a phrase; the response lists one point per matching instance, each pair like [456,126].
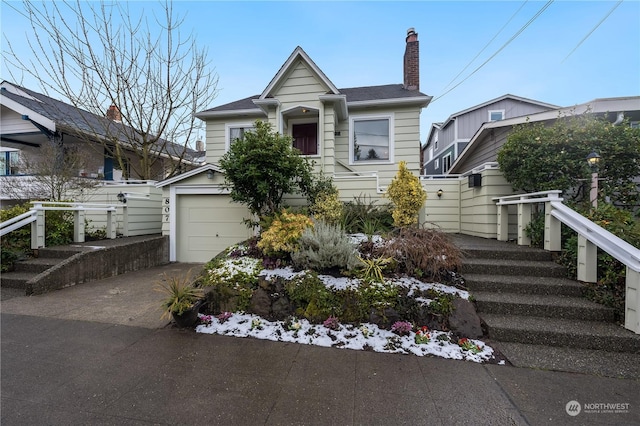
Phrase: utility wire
[486,45]
[524,27]
[592,30]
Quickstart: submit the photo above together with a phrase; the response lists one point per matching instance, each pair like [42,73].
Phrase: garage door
[208,224]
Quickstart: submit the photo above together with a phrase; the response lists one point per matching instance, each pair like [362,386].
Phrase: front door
[305,138]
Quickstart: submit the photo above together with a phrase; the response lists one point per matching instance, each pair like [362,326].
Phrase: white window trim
[435,141]
[444,162]
[392,129]
[292,121]
[501,111]
[436,164]
[227,131]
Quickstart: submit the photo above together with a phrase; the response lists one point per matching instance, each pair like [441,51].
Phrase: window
[436,164]
[446,163]
[435,141]
[371,139]
[496,115]
[9,162]
[236,131]
[305,138]
[635,124]
[430,154]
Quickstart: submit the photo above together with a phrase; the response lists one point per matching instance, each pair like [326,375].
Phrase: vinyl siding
[13,123]
[301,86]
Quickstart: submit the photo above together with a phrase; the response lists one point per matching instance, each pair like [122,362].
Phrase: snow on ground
[365,336]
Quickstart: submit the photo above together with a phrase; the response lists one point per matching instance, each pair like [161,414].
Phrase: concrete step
[523,284]
[36,265]
[16,279]
[512,267]
[568,333]
[536,305]
[621,365]
[507,253]
[59,252]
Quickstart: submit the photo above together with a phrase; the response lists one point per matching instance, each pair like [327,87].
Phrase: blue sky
[362,43]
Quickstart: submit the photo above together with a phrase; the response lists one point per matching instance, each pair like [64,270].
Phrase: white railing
[590,237]
[36,217]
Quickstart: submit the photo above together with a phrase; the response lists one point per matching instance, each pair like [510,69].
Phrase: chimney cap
[411,30]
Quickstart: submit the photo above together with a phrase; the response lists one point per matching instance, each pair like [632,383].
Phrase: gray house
[448,139]
[487,139]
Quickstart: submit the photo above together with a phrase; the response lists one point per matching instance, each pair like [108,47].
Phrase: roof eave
[421,101]
[189,174]
[230,113]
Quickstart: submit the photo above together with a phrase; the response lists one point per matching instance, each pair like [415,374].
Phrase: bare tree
[101,55]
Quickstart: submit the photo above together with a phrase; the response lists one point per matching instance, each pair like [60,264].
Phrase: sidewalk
[98,353]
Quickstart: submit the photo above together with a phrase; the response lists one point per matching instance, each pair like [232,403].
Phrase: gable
[298,83]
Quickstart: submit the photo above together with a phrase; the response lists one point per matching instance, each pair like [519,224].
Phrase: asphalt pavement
[98,353]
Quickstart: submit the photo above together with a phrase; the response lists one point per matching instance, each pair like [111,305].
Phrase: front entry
[305,138]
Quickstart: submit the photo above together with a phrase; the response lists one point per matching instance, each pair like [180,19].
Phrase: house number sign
[166,208]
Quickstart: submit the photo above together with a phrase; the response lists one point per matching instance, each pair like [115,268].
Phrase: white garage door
[208,224]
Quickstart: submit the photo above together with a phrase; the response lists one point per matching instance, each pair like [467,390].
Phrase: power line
[524,27]
[486,45]
[592,30]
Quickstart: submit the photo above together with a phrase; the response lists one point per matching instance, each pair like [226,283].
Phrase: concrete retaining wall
[98,262]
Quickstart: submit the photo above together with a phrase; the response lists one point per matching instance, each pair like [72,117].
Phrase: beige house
[356,135]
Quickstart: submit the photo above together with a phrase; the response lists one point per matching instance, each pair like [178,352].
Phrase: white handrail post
[503,223]
[111,224]
[125,221]
[78,225]
[552,230]
[524,217]
[37,228]
[632,301]
[587,260]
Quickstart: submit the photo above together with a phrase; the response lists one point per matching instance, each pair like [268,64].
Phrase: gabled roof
[194,172]
[55,115]
[629,104]
[493,101]
[452,117]
[355,96]
[298,53]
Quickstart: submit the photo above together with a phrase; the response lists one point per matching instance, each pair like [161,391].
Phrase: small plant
[468,345]
[256,324]
[328,207]
[282,237]
[402,328]
[180,294]
[362,210]
[366,332]
[372,271]
[423,336]
[223,317]
[324,246]
[332,323]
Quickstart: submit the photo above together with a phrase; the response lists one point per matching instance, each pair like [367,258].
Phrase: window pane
[238,133]
[371,140]
[496,115]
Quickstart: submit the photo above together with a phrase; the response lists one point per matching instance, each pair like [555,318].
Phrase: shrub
[423,253]
[407,195]
[327,207]
[230,281]
[282,237]
[372,269]
[312,298]
[324,246]
[363,215]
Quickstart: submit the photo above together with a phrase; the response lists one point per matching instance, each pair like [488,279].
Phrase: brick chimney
[412,61]
[113,113]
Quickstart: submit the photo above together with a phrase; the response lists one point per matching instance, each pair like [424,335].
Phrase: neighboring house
[448,139]
[31,120]
[358,132]
[488,138]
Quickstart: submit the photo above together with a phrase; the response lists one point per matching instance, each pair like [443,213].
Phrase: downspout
[620,118]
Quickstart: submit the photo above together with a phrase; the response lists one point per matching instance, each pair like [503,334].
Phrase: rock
[260,303]
[281,308]
[464,320]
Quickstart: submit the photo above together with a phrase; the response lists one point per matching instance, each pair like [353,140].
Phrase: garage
[206,225]
[199,216]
